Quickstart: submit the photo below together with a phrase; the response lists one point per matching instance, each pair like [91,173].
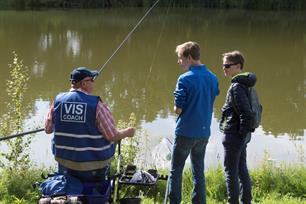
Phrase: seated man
[84,130]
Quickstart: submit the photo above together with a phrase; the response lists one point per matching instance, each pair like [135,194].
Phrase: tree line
[240,4]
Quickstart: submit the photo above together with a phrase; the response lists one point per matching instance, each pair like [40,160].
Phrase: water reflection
[73,43]
[142,76]
[157,147]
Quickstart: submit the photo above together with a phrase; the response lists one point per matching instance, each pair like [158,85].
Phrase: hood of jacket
[246,78]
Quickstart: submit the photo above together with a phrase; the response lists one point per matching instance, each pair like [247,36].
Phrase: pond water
[142,76]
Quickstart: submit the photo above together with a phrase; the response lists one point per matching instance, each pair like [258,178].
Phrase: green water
[142,76]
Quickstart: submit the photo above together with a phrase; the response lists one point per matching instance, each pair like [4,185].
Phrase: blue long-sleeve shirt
[195,94]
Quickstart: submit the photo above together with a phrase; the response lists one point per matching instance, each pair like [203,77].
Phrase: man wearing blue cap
[84,129]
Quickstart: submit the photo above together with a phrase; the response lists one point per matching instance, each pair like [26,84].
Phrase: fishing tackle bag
[56,188]
[60,189]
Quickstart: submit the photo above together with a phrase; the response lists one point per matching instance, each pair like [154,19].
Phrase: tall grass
[271,185]
[283,184]
[285,180]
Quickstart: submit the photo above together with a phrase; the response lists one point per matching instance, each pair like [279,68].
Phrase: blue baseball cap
[80,73]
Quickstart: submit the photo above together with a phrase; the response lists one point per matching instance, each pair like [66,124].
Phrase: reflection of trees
[142,76]
[146,94]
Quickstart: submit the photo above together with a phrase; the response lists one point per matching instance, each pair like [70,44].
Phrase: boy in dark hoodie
[236,124]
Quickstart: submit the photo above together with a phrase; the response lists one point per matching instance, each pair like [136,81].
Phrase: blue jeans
[235,167]
[183,146]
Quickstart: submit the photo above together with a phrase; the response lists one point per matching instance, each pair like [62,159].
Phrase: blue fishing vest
[76,137]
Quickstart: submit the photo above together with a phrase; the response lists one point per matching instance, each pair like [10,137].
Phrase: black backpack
[255,104]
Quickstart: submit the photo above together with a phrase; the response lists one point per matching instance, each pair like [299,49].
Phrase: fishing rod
[168,180]
[128,36]
[100,70]
[22,134]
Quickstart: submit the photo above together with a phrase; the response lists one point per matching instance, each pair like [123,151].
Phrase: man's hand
[177,110]
[49,121]
[129,132]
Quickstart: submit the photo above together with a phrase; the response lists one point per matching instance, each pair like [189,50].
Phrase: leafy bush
[16,185]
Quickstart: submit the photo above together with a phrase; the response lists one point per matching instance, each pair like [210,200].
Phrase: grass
[284,184]
[280,185]
[16,185]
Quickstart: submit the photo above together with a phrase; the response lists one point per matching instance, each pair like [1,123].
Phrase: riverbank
[271,184]
[241,4]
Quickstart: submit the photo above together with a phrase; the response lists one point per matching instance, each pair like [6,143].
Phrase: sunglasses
[227,66]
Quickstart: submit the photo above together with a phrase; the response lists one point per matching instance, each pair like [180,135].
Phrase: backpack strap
[233,102]
[233,98]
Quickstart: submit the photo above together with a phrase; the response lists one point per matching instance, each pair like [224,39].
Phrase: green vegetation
[282,185]
[248,4]
[270,184]
[17,155]
[131,145]
[16,185]
[17,174]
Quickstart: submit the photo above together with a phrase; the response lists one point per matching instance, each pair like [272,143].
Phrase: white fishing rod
[100,70]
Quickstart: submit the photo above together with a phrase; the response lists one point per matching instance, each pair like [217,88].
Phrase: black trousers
[235,166]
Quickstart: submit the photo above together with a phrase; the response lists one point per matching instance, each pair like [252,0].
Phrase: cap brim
[94,73]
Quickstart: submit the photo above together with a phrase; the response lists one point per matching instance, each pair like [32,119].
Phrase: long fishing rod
[100,70]
[128,36]
[22,134]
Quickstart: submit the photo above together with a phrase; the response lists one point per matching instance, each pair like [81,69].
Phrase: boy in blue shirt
[194,95]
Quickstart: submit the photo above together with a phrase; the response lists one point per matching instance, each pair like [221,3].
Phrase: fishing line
[104,65]
[128,36]
[159,39]
[147,81]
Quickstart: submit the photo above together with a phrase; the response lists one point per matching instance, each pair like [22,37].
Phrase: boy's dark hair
[234,57]
[189,48]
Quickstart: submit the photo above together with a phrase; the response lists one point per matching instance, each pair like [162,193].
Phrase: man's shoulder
[60,94]
[184,76]
[76,93]
[211,73]
[238,86]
